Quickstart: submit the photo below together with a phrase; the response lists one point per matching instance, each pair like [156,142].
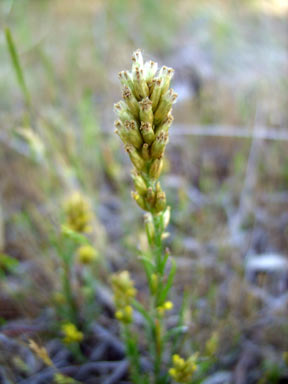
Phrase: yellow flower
[124,315]
[86,254]
[182,370]
[167,306]
[123,289]
[71,334]
[78,213]
[124,293]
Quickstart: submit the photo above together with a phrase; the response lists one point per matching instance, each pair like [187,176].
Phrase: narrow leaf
[144,313]
[168,284]
[176,331]
[17,66]
[75,236]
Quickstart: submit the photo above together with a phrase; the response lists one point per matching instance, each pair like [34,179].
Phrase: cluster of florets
[86,254]
[124,293]
[71,334]
[78,213]
[143,125]
[183,370]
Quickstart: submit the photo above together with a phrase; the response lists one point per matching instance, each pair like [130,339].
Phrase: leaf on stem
[76,236]
[174,332]
[139,307]
[169,283]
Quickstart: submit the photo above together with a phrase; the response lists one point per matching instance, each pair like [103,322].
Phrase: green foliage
[68,69]
[17,66]
[147,104]
[7,264]
[76,237]
[272,372]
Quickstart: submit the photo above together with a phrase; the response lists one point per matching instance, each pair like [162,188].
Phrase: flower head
[167,306]
[86,254]
[78,213]
[125,314]
[71,334]
[124,293]
[183,370]
[144,119]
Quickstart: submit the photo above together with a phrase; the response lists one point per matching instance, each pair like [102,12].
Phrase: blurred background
[226,173]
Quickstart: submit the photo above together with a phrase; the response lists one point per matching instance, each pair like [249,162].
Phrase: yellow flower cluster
[125,314]
[167,306]
[86,254]
[183,370]
[71,334]
[78,213]
[144,119]
[124,293]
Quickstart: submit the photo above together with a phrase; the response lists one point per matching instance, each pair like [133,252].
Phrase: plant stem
[132,353]
[157,250]
[77,353]
[67,289]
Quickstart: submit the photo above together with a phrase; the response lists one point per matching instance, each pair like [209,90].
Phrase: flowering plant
[144,119]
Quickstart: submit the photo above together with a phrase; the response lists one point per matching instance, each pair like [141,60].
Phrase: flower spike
[144,120]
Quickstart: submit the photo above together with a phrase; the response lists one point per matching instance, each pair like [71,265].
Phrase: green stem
[158,244]
[158,253]
[77,353]
[67,289]
[158,350]
[159,258]
[91,310]
[132,354]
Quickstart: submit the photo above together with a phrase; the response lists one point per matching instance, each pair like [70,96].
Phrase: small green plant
[144,119]
[75,250]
